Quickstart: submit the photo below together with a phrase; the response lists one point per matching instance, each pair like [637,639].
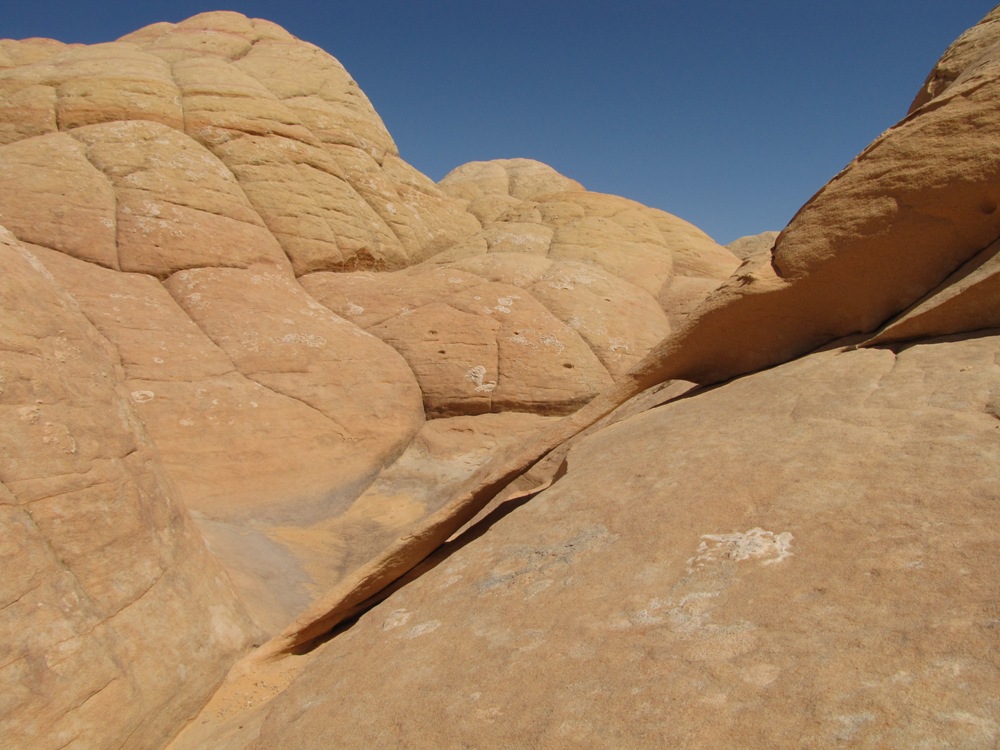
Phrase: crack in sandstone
[188,131]
[114,194]
[341,431]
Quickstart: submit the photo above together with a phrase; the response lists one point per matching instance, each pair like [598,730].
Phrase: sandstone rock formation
[499,420]
[783,561]
[745,247]
[896,222]
[277,303]
[959,57]
[116,621]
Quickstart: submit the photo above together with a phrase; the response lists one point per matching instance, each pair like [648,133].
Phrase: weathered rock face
[218,246]
[291,128]
[116,621]
[959,57]
[814,575]
[786,559]
[908,212]
[277,301]
[560,293]
[754,244]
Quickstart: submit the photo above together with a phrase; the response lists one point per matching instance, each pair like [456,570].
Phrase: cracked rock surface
[221,282]
[251,361]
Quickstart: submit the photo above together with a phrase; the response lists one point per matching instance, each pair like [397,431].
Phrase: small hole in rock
[988,206]
[568,365]
[440,351]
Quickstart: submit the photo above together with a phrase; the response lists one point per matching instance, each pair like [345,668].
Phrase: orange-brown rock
[782,561]
[116,621]
[227,294]
[911,209]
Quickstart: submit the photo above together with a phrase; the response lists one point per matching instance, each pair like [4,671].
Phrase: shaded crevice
[200,209]
[432,561]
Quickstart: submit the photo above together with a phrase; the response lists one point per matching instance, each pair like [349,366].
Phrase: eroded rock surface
[116,621]
[711,570]
[226,294]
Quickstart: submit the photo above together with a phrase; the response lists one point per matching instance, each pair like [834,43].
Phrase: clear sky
[728,113]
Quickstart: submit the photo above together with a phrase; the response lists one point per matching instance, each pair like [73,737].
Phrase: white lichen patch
[396,618]
[310,340]
[352,308]
[29,414]
[141,397]
[548,340]
[521,340]
[617,345]
[476,375]
[503,305]
[422,629]
[755,544]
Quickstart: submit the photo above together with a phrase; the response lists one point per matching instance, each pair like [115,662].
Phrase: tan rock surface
[710,571]
[752,244]
[308,149]
[965,51]
[272,412]
[177,183]
[475,346]
[912,208]
[116,621]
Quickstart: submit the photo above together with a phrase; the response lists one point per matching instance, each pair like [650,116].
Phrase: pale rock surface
[475,346]
[443,454]
[707,571]
[909,211]
[681,580]
[752,244]
[961,55]
[116,622]
[612,271]
[274,411]
[527,207]
[308,149]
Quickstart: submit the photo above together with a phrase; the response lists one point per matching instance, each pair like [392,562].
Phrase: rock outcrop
[277,303]
[782,561]
[900,219]
[116,621]
[662,492]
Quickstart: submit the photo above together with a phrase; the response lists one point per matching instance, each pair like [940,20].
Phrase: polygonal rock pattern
[116,621]
[308,150]
[261,282]
[707,571]
[177,181]
[475,346]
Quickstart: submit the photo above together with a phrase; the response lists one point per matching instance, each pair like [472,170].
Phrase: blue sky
[728,113]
